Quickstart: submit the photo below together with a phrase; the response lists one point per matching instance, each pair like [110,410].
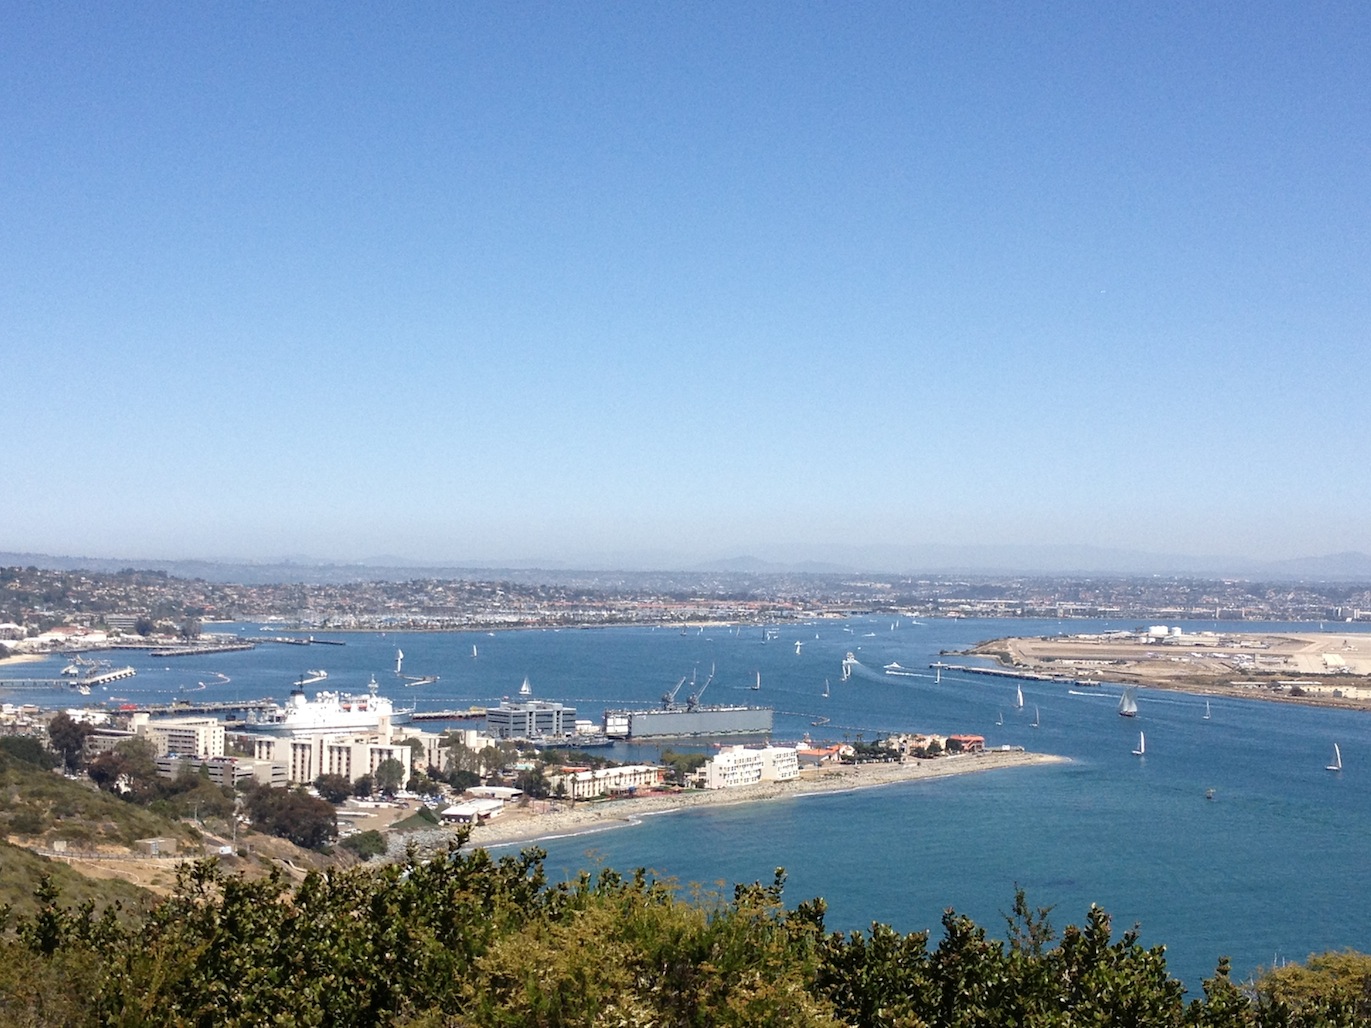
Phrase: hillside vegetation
[39,807]
[465,940]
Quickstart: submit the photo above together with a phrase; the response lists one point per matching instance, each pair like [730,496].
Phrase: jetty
[195,651]
[188,707]
[1027,676]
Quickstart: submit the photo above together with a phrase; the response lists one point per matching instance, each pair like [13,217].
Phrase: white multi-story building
[352,758]
[745,765]
[185,736]
[605,781]
[530,719]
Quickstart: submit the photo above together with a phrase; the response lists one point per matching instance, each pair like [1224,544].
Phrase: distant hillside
[931,560]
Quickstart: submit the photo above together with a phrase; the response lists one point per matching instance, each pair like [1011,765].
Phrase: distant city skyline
[663,286]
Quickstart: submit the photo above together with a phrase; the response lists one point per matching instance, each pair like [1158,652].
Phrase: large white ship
[330,713]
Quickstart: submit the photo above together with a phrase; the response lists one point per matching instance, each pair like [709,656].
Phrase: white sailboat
[525,689]
[758,683]
[798,644]
[1000,719]
[399,660]
[1337,759]
[825,688]
[473,651]
[1035,718]
[1018,698]
[1141,751]
[1206,710]
[1128,705]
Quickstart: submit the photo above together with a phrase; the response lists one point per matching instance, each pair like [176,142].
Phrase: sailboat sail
[1337,759]
[1206,710]
[1018,700]
[1035,718]
[1128,705]
[1142,746]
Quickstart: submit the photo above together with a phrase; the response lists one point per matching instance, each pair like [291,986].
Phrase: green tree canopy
[389,776]
[68,737]
[333,788]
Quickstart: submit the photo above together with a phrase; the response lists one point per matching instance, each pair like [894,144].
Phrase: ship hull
[699,722]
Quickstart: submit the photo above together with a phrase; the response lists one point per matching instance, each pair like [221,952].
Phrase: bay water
[1272,867]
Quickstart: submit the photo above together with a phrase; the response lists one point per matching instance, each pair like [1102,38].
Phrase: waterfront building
[472,811]
[530,719]
[592,783]
[747,765]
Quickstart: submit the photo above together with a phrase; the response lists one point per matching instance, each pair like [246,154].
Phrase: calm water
[1271,868]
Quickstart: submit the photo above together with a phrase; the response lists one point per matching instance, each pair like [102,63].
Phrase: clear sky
[597,281]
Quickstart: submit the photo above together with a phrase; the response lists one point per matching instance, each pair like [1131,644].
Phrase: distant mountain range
[1046,561]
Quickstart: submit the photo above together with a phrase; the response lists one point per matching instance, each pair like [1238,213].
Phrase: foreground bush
[466,940]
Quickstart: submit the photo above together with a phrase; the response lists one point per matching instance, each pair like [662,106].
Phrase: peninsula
[1331,669]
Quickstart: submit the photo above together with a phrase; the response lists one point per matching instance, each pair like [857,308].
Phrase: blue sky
[668,282]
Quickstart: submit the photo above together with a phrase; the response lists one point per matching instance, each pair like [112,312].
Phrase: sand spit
[523,826]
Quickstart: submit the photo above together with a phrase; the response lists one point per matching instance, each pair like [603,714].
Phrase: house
[966,744]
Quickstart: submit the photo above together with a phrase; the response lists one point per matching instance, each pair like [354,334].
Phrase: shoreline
[524,828]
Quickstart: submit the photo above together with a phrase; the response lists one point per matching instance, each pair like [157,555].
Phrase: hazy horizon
[626,283]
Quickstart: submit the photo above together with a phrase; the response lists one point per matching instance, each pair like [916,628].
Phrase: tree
[365,844]
[363,787]
[68,738]
[389,776]
[682,765]
[29,750]
[333,788]
[533,782]
[143,625]
[106,770]
[1344,977]
[190,629]
[292,814]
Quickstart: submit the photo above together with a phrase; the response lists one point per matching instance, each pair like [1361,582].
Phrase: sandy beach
[522,826]
[22,658]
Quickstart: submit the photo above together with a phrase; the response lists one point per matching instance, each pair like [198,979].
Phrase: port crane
[693,700]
